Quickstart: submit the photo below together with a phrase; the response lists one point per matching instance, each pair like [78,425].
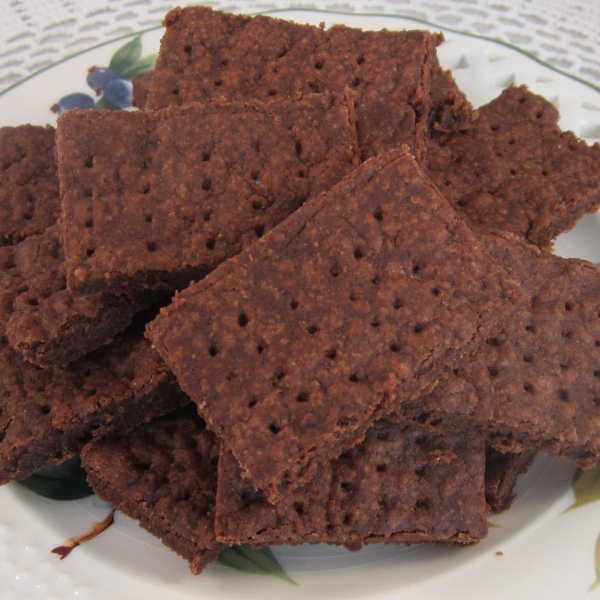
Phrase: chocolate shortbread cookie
[155,200]
[401,484]
[164,475]
[535,382]
[516,171]
[450,110]
[501,473]
[293,348]
[47,414]
[29,196]
[207,55]
[141,87]
[47,324]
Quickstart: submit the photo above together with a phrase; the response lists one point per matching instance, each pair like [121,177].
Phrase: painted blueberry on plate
[119,92]
[99,77]
[112,84]
[76,100]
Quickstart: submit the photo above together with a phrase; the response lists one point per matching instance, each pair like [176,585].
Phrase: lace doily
[565,34]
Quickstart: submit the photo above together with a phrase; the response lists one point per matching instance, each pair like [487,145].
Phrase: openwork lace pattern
[565,34]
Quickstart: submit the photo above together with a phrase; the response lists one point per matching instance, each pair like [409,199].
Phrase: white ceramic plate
[532,551]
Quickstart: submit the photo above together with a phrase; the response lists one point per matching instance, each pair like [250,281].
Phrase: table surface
[563,33]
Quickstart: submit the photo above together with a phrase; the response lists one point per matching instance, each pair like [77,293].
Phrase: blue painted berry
[77,100]
[119,92]
[99,77]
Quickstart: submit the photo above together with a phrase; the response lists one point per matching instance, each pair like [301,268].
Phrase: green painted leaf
[143,65]
[66,481]
[252,560]
[125,57]
[103,103]
[597,562]
[586,486]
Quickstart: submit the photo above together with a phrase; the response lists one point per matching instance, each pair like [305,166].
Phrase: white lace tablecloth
[563,33]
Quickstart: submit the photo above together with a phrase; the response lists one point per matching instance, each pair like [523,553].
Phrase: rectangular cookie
[47,325]
[516,171]
[354,303]
[402,484]
[207,55]
[155,200]
[535,382]
[164,475]
[29,195]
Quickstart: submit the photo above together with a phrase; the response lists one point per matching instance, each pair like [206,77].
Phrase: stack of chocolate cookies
[306,294]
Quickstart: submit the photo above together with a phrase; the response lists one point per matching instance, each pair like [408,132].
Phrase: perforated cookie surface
[515,170]
[29,195]
[155,200]
[355,302]
[535,382]
[207,55]
[164,475]
[401,484]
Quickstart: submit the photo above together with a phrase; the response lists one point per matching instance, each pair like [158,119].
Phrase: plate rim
[278,11]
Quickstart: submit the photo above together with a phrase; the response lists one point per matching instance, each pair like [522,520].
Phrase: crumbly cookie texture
[156,200]
[207,55]
[164,474]
[534,383]
[402,484]
[353,305]
[516,170]
[29,195]
[47,414]
[47,325]
[450,109]
[501,473]
[141,87]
